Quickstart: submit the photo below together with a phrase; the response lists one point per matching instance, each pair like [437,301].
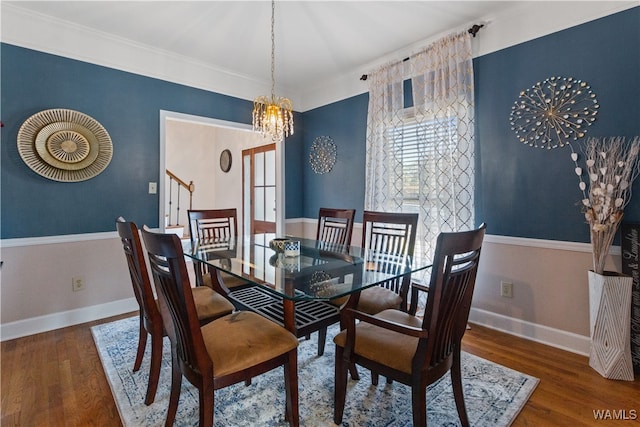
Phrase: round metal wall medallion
[64,145]
[323,155]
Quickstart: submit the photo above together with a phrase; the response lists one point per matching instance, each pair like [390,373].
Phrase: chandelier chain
[273,117]
[273,50]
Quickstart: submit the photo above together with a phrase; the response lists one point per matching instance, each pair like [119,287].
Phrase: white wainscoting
[550,302]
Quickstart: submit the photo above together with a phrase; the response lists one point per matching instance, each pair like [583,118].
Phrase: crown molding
[47,34]
[525,21]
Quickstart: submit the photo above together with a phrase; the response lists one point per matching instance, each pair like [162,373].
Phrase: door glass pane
[270,168]
[246,204]
[258,200]
[259,168]
[270,204]
[259,254]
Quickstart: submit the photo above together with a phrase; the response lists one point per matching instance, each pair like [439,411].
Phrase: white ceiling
[316,41]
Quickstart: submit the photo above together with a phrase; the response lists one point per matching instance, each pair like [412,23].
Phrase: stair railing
[175,185]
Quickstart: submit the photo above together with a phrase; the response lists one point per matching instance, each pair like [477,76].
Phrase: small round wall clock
[225,160]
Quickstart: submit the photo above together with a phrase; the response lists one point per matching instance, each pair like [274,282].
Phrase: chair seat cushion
[381,345]
[374,300]
[230,281]
[244,339]
[210,304]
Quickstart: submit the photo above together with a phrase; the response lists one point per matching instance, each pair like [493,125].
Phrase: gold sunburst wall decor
[64,145]
[554,112]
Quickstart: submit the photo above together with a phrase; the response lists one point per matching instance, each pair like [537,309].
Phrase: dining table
[298,288]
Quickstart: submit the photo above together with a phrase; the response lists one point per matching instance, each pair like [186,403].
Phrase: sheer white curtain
[420,143]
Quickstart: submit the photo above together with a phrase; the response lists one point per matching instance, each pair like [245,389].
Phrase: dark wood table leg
[290,315]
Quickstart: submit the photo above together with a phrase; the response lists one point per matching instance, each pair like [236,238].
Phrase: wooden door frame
[251,152]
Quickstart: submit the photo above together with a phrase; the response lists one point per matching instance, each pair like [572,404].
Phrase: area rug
[494,394]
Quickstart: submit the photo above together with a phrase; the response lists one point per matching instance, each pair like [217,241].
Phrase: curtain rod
[473,31]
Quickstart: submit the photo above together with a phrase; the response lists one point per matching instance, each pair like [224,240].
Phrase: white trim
[489,238]
[48,240]
[32,30]
[539,333]
[24,28]
[49,322]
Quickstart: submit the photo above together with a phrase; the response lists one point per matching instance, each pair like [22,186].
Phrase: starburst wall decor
[554,112]
[323,155]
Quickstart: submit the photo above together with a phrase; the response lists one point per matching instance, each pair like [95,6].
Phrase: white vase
[610,321]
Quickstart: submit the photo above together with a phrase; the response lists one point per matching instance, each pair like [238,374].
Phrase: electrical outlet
[77,283]
[506,289]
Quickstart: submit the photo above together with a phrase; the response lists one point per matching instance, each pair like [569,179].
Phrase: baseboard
[563,340]
[543,334]
[49,322]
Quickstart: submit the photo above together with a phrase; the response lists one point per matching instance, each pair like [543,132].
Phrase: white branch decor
[611,167]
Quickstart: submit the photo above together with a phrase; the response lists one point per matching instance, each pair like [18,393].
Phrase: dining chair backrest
[389,232]
[171,278]
[335,226]
[132,246]
[393,234]
[453,277]
[211,226]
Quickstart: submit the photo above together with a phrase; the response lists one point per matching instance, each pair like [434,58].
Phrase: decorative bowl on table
[291,265]
[278,244]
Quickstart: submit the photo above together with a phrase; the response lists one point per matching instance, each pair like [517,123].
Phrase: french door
[259,189]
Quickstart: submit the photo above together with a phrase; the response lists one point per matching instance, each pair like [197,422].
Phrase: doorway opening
[192,145]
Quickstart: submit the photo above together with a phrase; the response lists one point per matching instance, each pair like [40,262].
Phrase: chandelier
[273,116]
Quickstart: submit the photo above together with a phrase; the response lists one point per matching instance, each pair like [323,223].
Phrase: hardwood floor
[56,379]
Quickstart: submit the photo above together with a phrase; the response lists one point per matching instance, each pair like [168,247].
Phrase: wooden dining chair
[335,227]
[393,234]
[226,351]
[209,304]
[411,350]
[214,225]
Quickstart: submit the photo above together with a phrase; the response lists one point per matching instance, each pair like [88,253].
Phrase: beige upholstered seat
[209,304]
[229,350]
[417,351]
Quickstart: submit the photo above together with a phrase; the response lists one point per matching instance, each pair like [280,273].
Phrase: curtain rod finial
[474,29]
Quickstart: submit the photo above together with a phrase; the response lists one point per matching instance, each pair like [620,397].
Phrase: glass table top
[321,271]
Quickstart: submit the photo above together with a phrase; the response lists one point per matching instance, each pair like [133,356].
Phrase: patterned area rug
[494,394]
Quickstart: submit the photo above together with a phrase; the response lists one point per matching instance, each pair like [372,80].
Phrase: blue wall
[533,192]
[346,123]
[128,106]
[521,191]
